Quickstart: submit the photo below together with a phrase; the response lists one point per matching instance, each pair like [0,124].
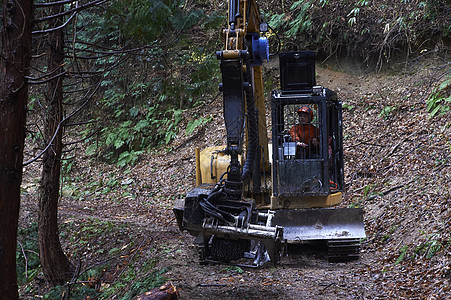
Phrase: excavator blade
[328,224]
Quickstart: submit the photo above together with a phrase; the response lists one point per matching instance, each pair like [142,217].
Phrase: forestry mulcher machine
[253,198]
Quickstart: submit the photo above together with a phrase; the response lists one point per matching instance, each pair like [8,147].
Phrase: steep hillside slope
[397,165]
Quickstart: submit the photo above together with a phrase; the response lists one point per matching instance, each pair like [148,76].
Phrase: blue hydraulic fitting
[260,49]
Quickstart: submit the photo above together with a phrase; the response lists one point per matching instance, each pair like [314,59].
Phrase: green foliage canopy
[170,71]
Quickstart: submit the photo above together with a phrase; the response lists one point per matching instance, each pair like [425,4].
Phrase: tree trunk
[14,62]
[56,266]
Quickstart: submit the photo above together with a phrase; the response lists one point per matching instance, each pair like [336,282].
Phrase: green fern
[277,21]
[193,124]
[440,100]
[302,22]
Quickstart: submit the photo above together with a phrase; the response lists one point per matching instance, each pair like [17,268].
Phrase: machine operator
[305,134]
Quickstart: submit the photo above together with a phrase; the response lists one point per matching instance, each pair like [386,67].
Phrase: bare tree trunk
[57,268]
[14,62]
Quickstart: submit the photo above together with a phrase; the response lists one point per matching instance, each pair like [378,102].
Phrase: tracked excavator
[255,196]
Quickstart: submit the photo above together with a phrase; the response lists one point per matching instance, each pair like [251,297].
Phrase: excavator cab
[307,162]
[307,153]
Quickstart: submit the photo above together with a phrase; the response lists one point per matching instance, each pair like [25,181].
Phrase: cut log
[168,291]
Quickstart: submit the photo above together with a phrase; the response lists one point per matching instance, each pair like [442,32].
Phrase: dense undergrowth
[113,260]
[145,98]
[372,32]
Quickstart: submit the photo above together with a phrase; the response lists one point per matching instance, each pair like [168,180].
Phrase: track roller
[343,250]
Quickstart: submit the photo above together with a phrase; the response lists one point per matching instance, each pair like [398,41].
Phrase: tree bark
[55,264]
[14,63]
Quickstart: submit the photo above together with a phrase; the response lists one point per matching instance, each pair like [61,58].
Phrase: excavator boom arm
[241,59]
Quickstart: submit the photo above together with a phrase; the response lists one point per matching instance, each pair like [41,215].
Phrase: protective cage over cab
[307,138]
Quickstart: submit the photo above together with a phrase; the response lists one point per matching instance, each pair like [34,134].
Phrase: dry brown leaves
[397,165]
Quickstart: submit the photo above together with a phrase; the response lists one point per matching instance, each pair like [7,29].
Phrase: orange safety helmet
[306,110]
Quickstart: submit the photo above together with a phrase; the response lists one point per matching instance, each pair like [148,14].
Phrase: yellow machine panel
[211,163]
[306,202]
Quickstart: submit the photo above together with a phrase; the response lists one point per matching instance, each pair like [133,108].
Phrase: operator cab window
[300,138]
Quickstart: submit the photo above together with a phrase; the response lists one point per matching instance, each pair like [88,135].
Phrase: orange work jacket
[304,133]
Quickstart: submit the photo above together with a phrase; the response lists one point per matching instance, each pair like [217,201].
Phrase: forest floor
[118,229]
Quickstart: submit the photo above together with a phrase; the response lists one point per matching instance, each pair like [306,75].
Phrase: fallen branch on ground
[384,193]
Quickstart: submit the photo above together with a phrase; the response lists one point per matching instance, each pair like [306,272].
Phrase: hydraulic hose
[252,135]
[212,210]
[278,42]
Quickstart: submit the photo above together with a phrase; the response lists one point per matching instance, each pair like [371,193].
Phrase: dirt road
[397,165]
